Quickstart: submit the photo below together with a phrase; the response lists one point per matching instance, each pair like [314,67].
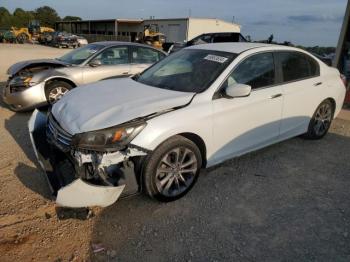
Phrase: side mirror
[238,90]
[95,63]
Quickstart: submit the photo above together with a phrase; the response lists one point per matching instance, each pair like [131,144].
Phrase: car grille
[57,135]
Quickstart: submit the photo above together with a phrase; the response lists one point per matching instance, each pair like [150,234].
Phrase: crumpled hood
[111,102]
[15,68]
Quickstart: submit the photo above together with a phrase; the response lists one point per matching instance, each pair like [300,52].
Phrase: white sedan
[194,109]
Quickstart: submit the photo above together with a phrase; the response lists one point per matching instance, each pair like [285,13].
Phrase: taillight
[343,79]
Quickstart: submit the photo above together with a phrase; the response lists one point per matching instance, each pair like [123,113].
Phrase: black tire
[55,85]
[22,38]
[316,121]
[151,174]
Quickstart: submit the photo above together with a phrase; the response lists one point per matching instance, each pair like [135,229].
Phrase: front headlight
[24,81]
[109,139]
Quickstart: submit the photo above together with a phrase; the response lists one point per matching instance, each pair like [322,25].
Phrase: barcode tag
[215,58]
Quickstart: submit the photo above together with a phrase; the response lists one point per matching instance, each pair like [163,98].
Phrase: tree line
[46,15]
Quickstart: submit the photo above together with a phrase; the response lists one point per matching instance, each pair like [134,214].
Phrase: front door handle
[318,84]
[125,73]
[275,96]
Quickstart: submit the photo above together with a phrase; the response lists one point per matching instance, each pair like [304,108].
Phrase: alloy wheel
[176,171]
[322,119]
[56,93]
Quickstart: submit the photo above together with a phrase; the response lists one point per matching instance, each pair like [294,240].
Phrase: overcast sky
[306,22]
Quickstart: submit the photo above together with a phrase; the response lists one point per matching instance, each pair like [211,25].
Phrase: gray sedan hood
[112,102]
[15,68]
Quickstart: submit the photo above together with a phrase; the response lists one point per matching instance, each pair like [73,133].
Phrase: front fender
[162,127]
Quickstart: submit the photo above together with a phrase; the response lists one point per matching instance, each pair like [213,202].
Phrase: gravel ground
[288,202]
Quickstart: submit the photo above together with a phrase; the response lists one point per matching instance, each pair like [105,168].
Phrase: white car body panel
[82,194]
[78,112]
[245,122]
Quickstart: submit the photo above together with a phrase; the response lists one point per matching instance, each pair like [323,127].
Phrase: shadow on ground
[17,126]
[286,202]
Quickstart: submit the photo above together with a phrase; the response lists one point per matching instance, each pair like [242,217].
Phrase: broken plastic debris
[96,248]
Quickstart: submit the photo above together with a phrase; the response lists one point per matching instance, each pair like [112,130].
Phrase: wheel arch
[198,141]
[67,80]
[334,104]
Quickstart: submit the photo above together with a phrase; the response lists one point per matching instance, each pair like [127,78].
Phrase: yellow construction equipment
[30,33]
[151,36]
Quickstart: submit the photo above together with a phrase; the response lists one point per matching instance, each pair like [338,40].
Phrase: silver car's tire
[55,90]
[172,169]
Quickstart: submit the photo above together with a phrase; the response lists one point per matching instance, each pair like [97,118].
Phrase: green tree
[21,18]
[47,16]
[5,18]
[71,18]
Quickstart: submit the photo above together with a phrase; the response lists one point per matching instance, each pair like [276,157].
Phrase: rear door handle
[275,96]
[318,84]
[125,73]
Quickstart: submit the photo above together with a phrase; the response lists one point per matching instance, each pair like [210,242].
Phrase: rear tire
[55,90]
[172,169]
[320,121]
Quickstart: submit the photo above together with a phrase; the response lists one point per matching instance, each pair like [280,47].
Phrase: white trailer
[185,29]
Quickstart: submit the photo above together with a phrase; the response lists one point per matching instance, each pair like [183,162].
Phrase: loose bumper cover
[29,98]
[66,171]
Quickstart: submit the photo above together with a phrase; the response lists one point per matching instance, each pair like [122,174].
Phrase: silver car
[35,83]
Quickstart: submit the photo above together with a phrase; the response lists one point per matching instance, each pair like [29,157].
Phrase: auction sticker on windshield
[216,58]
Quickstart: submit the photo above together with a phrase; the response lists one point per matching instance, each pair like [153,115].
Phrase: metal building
[175,29]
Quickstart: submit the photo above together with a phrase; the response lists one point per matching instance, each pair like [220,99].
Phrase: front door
[245,123]
[113,62]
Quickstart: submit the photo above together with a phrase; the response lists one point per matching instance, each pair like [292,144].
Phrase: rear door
[299,75]
[114,62]
[143,57]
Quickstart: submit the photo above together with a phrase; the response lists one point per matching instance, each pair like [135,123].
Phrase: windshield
[188,70]
[79,55]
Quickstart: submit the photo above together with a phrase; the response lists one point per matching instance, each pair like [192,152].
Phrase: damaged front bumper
[83,178]
[26,99]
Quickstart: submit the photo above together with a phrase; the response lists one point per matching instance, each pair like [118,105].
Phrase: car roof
[235,47]
[116,43]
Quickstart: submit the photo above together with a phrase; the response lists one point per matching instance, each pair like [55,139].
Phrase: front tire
[55,90]
[320,121]
[172,169]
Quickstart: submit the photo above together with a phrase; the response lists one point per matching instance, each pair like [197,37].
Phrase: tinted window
[144,55]
[297,66]
[225,37]
[202,39]
[256,71]
[114,56]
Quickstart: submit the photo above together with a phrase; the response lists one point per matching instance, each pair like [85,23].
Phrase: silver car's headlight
[109,139]
[24,81]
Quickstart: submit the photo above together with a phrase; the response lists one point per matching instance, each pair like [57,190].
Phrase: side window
[114,56]
[144,55]
[297,66]
[226,37]
[256,71]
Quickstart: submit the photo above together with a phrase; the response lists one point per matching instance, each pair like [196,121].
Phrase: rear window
[297,66]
